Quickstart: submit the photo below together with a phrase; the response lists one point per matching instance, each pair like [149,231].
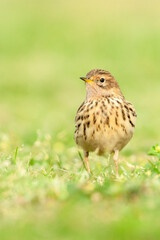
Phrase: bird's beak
[86,79]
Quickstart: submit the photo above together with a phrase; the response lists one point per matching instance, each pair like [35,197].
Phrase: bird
[105,121]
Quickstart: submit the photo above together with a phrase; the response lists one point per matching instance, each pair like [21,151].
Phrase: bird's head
[101,83]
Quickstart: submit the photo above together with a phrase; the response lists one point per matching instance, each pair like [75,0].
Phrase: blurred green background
[45,46]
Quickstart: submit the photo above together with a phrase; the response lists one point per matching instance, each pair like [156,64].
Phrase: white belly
[104,141]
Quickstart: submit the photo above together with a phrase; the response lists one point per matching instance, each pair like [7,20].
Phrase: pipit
[105,121]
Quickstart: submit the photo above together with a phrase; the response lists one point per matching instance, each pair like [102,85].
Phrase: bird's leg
[115,158]
[86,154]
[108,158]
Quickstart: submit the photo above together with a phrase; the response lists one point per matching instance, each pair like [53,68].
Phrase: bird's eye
[102,80]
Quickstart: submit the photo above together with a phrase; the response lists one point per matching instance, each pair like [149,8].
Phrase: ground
[45,191]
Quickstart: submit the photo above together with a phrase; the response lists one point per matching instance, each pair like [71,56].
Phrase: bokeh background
[45,46]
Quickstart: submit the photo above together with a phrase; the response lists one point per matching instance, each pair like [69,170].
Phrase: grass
[45,191]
